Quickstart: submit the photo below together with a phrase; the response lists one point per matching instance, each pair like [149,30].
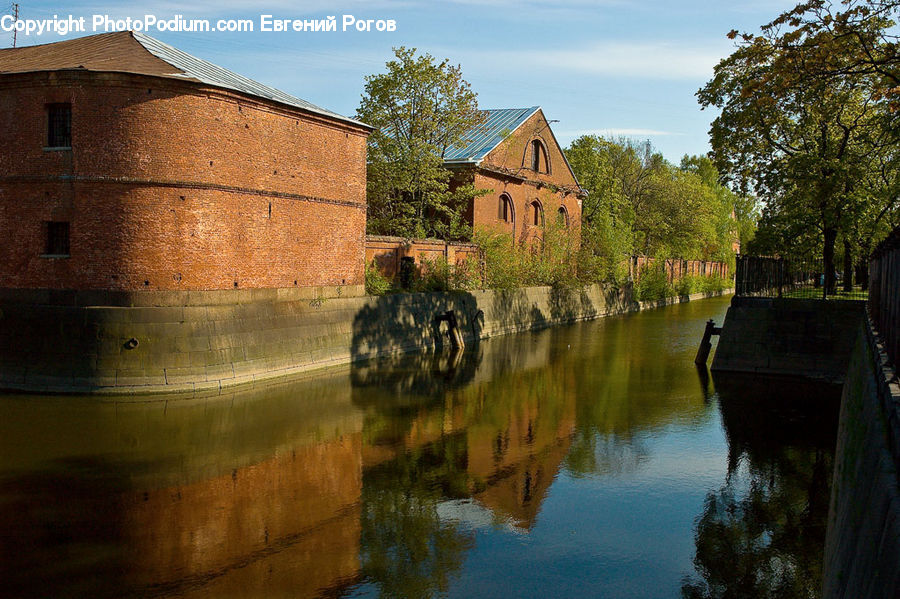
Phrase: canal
[586,460]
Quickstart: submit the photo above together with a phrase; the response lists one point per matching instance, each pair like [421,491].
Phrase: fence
[766,276]
[400,260]
[884,292]
[676,268]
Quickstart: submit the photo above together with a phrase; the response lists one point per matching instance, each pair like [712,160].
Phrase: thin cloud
[643,60]
[619,132]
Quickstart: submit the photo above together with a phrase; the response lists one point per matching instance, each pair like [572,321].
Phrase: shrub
[652,283]
[376,283]
[714,283]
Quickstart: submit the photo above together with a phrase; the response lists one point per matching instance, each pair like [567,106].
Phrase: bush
[376,283]
[652,283]
[439,275]
[503,268]
[550,261]
[714,283]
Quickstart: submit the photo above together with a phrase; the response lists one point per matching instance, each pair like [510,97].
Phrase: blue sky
[607,67]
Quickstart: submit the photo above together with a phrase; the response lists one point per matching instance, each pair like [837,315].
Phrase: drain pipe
[456,338]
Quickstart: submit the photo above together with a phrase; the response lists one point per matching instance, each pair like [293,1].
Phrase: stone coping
[151,298]
[888,385]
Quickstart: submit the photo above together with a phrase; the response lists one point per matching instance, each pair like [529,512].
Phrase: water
[589,460]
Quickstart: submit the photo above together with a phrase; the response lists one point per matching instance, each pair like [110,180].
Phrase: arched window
[537,214]
[505,209]
[539,157]
[562,217]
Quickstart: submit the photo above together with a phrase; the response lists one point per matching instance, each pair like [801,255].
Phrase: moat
[584,460]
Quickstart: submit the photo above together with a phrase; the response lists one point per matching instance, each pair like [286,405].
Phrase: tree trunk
[862,265]
[848,267]
[828,259]
[862,273]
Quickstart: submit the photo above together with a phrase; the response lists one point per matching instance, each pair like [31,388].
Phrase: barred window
[59,125]
[57,238]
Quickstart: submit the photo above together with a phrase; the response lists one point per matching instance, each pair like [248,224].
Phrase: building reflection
[377,476]
[231,496]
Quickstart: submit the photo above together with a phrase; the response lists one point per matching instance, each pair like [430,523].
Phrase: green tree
[736,215]
[609,172]
[419,108]
[637,202]
[800,125]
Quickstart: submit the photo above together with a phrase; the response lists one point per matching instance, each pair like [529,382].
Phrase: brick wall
[387,252]
[677,268]
[176,186]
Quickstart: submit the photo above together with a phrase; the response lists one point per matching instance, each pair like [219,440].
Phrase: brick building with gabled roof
[515,155]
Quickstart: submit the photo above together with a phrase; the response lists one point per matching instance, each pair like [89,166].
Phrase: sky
[603,67]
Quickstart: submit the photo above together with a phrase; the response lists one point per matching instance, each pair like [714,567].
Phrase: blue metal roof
[498,125]
[197,69]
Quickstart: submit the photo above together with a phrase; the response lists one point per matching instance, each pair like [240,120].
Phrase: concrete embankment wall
[835,341]
[162,342]
[862,550]
[793,337]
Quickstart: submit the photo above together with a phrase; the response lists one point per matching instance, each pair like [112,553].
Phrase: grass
[816,293]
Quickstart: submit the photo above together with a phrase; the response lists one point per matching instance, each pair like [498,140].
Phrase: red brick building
[130,165]
[515,155]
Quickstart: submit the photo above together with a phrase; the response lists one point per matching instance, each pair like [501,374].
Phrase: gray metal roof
[194,68]
[498,125]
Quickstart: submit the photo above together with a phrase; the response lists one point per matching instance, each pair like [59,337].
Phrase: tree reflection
[407,550]
[763,533]
[592,454]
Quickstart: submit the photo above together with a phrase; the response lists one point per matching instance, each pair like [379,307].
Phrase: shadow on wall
[540,307]
[569,304]
[404,322]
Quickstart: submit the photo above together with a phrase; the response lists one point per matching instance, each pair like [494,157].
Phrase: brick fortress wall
[176,186]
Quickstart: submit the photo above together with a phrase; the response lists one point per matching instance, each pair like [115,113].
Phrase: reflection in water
[763,533]
[406,547]
[539,462]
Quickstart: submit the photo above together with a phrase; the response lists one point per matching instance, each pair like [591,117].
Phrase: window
[537,214]
[538,157]
[562,217]
[57,238]
[59,125]
[505,209]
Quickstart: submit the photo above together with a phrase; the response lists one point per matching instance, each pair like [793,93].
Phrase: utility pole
[15,20]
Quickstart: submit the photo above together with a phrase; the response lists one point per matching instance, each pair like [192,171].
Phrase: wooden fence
[884,292]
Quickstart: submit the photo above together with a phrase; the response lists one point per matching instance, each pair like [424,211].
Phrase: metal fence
[798,278]
[884,292]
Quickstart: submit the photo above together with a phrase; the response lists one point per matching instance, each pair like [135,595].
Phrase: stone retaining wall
[200,341]
[794,337]
[862,549]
